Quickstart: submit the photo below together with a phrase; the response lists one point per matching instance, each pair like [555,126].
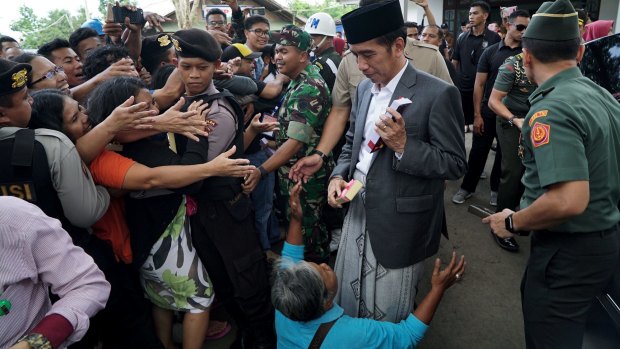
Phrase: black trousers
[565,272]
[480,147]
[126,322]
[229,248]
[467,102]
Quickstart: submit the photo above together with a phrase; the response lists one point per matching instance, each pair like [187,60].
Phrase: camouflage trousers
[313,197]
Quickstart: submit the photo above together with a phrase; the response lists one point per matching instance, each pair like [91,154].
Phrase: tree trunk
[184,13]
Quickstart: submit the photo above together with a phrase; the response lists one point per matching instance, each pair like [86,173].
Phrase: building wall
[610,9]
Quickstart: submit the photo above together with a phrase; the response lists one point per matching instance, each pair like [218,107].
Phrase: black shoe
[509,244]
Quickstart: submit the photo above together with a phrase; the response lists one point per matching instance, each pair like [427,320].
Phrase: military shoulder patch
[538,114]
[540,134]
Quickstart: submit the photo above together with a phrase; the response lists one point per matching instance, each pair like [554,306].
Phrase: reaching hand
[265,126]
[188,124]
[223,166]
[452,273]
[221,37]
[145,76]
[305,168]
[155,20]
[422,3]
[295,203]
[122,67]
[251,181]
[129,115]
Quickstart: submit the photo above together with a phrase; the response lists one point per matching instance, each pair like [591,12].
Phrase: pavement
[483,310]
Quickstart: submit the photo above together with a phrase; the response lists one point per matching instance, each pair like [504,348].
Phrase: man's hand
[202,110]
[122,67]
[336,186]
[188,123]
[294,203]
[453,272]
[155,20]
[497,222]
[305,167]
[422,3]
[232,3]
[518,122]
[283,78]
[224,166]
[265,126]
[391,128]
[113,30]
[251,181]
[21,345]
[233,65]
[130,116]
[478,125]
[145,76]
[221,37]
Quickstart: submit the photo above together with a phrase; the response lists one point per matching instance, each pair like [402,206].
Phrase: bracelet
[510,121]
[263,172]
[36,341]
[321,154]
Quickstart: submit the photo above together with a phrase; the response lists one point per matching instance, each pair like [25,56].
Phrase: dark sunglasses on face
[520,27]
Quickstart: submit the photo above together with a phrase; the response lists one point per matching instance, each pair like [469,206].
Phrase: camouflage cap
[291,35]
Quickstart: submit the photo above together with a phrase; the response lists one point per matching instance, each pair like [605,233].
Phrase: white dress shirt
[379,102]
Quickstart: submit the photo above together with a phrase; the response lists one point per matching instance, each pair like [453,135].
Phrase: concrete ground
[483,310]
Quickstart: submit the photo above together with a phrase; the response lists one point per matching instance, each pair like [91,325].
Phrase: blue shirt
[347,332]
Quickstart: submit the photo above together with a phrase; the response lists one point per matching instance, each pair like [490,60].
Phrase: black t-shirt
[467,51]
[490,61]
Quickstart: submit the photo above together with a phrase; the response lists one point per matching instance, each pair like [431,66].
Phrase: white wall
[415,12]
[611,10]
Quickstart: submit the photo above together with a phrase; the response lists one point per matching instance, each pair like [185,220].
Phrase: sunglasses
[520,27]
[49,75]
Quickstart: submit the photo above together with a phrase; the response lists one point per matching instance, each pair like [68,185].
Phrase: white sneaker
[461,196]
[493,200]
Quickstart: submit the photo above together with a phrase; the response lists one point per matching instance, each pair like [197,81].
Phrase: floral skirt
[173,276]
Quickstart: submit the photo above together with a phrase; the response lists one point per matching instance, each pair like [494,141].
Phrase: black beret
[155,44]
[372,21]
[13,76]
[196,43]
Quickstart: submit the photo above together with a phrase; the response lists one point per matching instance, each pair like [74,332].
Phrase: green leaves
[39,30]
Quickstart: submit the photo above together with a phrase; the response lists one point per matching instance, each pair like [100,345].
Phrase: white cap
[321,23]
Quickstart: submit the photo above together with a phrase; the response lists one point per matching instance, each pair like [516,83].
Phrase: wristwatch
[36,341]
[321,154]
[510,121]
[510,227]
[262,171]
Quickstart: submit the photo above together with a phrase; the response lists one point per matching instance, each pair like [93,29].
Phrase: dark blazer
[404,199]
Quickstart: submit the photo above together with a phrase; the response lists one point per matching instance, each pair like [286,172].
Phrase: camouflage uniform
[304,110]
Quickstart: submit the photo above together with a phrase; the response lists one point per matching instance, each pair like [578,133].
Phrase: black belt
[601,233]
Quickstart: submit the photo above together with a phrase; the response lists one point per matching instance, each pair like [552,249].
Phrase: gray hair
[298,290]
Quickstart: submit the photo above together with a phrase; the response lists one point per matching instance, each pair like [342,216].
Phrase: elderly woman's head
[303,291]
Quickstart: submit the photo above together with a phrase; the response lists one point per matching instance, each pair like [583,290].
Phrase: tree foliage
[306,9]
[103,5]
[39,30]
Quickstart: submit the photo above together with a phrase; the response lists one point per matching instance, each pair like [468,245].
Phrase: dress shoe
[508,244]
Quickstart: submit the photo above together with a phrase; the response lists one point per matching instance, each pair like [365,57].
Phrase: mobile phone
[121,12]
[479,211]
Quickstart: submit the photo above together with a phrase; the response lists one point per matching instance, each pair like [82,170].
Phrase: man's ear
[527,58]
[399,44]
[581,52]
[217,63]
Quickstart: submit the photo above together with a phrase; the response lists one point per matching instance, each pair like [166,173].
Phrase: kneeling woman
[173,276]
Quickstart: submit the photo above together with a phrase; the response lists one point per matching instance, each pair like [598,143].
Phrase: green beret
[291,35]
[196,43]
[13,76]
[554,21]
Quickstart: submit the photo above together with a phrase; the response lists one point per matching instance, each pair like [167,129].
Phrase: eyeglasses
[49,75]
[259,32]
[216,23]
[520,27]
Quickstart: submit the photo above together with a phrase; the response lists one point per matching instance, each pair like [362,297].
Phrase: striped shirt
[37,254]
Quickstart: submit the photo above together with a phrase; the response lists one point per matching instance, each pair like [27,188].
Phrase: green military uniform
[571,133]
[511,79]
[328,63]
[302,114]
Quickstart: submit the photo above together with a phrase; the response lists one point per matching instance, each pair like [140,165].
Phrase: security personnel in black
[223,227]
[570,148]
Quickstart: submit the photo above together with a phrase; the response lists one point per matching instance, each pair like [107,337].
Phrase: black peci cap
[372,21]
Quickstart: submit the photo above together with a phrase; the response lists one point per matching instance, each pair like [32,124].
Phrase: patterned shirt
[303,111]
[36,254]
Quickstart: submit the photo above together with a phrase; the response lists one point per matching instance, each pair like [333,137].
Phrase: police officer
[322,29]
[301,116]
[571,153]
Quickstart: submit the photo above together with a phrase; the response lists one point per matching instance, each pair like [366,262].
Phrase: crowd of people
[144,179]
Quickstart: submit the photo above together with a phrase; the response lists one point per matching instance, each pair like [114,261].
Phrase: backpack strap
[23,148]
[321,333]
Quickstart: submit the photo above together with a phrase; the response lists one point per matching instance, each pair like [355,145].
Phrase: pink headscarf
[597,29]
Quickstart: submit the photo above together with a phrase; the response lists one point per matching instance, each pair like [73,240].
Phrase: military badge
[175,42]
[536,115]
[540,134]
[19,78]
[164,41]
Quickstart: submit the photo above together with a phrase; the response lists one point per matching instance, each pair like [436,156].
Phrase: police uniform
[303,112]
[571,133]
[328,63]
[223,228]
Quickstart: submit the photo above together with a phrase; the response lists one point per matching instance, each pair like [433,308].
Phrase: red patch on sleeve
[540,134]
